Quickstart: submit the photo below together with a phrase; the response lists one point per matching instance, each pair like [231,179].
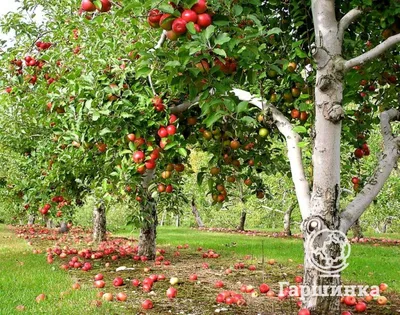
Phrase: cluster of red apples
[35,64]
[176,26]
[89,6]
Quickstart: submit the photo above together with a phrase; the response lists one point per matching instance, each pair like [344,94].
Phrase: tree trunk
[357,231]
[31,219]
[324,203]
[148,231]
[287,221]
[99,222]
[242,220]
[63,228]
[163,217]
[49,223]
[323,262]
[196,214]
[386,223]
[177,220]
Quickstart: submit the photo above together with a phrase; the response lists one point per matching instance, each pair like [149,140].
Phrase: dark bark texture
[148,231]
[99,223]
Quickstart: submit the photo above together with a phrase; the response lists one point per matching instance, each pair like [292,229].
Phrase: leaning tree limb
[346,20]
[386,164]
[184,106]
[373,53]
[294,152]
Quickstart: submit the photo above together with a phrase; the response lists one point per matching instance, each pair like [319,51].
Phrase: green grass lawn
[24,275]
[368,264]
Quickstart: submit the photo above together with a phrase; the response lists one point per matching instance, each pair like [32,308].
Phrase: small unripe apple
[174,280]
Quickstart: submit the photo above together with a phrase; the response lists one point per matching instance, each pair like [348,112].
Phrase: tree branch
[294,152]
[184,106]
[157,46]
[147,178]
[373,53]
[386,164]
[346,20]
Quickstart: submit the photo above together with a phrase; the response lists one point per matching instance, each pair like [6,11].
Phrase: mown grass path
[24,275]
[369,264]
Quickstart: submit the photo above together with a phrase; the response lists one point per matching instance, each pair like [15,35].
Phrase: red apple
[304,311]
[200,6]
[298,279]
[154,17]
[171,130]
[105,6]
[349,300]
[99,276]
[204,20]
[358,153]
[189,16]
[383,287]
[264,288]
[107,297]
[147,304]
[87,5]
[131,137]
[162,132]
[171,293]
[135,282]
[382,300]
[121,296]
[179,26]
[150,164]
[40,297]
[138,157]
[172,118]
[171,35]
[360,307]
[193,277]
[118,281]
[99,284]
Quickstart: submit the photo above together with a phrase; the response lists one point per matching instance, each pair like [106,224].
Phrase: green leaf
[297,44]
[143,72]
[174,63]
[300,53]
[125,152]
[222,39]
[213,118]
[166,8]
[242,107]
[220,52]
[95,115]
[210,184]
[126,115]
[229,104]
[170,145]
[190,28]
[200,177]
[303,144]
[209,32]
[182,152]
[104,131]
[300,129]
[154,194]
[275,30]
[237,10]
[249,120]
